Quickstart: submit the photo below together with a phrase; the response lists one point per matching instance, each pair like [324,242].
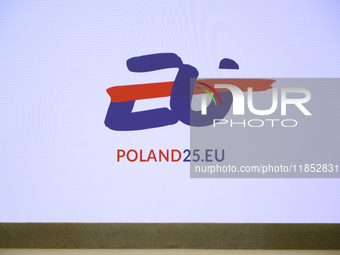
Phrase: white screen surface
[59,160]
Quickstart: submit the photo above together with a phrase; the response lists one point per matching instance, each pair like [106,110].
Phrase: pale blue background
[57,58]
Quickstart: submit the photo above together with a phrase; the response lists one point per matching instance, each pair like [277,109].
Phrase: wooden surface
[169,236]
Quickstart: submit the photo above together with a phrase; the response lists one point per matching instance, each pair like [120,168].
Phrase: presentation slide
[170,111]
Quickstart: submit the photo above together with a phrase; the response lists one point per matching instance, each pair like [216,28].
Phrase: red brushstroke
[163,89]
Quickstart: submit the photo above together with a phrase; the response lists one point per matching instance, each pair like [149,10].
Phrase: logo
[223,92]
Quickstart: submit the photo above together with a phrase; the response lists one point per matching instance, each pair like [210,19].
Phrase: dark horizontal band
[170,235]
